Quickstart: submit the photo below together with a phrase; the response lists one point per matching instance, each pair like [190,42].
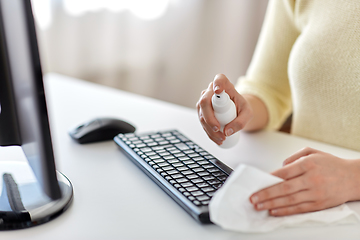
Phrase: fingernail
[215,129]
[260,206]
[229,132]
[273,212]
[254,199]
[216,88]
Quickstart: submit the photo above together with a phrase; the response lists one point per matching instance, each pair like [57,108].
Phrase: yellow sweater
[307,61]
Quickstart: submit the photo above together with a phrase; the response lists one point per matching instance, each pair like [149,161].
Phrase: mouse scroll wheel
[79,127]
[96,123]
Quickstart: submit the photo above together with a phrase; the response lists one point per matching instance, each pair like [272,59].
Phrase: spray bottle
[225,112]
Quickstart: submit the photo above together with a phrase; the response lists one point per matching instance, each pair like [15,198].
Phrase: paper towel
[231,209]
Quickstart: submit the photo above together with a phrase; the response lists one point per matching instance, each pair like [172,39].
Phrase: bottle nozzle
[220,102]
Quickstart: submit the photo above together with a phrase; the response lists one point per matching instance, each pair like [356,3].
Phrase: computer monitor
[24,122]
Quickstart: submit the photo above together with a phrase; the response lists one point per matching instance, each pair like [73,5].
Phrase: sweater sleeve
[267,76]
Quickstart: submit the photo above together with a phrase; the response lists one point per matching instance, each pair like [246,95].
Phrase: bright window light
[144,9]
[42,12]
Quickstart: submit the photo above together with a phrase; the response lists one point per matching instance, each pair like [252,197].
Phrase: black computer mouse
[100,129]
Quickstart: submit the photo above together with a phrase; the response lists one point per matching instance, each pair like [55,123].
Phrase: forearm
[260,113]
[353,188]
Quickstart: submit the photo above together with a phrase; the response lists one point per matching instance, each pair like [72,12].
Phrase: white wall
[171,58]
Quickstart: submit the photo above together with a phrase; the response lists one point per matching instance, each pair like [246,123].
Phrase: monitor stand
[22,201]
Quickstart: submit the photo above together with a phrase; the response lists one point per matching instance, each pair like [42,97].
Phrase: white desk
[115,200]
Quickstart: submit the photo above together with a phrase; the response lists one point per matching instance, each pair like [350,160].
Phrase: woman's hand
[314,180]
[206,112]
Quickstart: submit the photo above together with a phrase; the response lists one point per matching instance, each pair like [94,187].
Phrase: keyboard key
[207,178]
[197,193]
[202,162]
[191,189]
[201,185]
[140,145]
[189,162]
[194,155]
[182,168]
[163,164]
[205,202]
[216,174]
[189,152]
[186,194]
[152,144]
[182,146]
[197,180]
[171,160]
[222,178]
[203,173]
[208,189]
[217,186]
[187,172]
[187,184]
[149,152]
[160,161]
[214,181]
[193,166]
[172,172]
[210,194]
[208,166]
[192,176]
[174,151]
[182,180]
[202,198]
[214,169]
[177,176]
[168,168]
[154,157]
[163,154]
[178,155]
[176,165]
[198,169]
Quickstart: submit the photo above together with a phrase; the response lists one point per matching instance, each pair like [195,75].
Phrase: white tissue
[231,209]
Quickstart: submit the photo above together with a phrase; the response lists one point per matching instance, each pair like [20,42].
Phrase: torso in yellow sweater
[308,61]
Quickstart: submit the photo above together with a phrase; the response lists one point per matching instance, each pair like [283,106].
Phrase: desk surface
[115,200]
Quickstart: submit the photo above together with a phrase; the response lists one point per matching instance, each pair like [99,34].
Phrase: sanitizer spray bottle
[225,112]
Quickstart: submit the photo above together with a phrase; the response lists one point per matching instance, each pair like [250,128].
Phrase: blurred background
[165,49]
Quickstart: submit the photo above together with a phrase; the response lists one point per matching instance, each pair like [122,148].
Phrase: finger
[290,210]
[302,153]
[217,137]
[243,117]
[207,113]
[290,171]
[221,83]
[244,112]
[286,201]
[278,190]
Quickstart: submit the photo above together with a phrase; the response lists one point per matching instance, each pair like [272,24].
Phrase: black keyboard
[185,171]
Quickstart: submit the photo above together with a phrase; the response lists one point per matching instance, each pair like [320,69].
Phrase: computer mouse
[100,129]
